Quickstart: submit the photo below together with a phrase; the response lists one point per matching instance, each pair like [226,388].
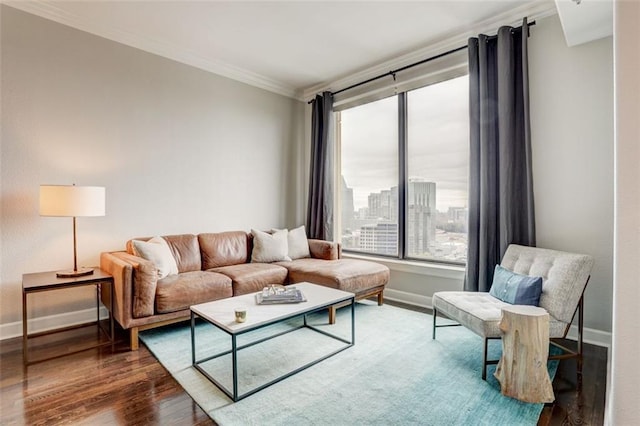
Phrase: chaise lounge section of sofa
[212,266]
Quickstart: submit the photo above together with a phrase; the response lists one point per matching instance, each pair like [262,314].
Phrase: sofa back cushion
[224,249]
[186,251]
[184,248]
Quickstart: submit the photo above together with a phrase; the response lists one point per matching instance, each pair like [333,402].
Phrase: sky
[438,143]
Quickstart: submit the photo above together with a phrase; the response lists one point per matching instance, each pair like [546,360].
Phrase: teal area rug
[395,374]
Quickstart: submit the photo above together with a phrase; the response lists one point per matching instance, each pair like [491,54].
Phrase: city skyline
[445,205]
[428,233]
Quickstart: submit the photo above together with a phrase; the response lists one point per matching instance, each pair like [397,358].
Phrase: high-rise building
[421,217]
[393,208]
[380,238]
[458,215]
[347,207]
[384,204]
[374,202]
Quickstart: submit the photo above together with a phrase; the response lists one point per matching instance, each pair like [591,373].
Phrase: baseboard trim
[408,298]
[52,322]
[591,335]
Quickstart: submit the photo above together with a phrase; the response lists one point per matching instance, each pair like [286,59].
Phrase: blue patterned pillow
[515,288]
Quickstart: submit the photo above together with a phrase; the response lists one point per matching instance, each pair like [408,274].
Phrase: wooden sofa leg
[332,314]
[133,338]
[380,298]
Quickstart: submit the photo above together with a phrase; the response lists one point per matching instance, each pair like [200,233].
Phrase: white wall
[572,141]
[623,394]
[179,150]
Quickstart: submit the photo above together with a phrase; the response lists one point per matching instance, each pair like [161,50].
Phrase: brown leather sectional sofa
[213,266]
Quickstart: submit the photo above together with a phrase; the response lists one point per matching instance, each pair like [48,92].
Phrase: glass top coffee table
[221,314]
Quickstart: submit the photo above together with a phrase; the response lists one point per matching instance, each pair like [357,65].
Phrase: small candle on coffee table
[241,314]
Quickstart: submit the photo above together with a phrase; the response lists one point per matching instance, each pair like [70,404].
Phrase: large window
[404,172]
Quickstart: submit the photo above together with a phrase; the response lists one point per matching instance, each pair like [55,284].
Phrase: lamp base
[72,273]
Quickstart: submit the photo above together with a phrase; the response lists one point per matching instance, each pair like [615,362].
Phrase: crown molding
[533,10]
[52,12]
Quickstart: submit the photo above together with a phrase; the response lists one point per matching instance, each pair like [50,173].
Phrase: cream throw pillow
[269,247]
[157,251]
[298,244]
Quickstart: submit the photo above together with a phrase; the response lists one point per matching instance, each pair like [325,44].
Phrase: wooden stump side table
[522,369]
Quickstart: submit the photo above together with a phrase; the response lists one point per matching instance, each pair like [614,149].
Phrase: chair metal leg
[435,313]
[485,352]
[484,358]
[580,342]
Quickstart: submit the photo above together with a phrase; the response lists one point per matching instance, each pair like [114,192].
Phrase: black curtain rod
[406,67]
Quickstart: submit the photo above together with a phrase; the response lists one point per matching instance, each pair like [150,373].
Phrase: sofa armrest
[138,280]
[122,274]
[326,250]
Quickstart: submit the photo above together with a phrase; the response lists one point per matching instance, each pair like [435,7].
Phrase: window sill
[413,267]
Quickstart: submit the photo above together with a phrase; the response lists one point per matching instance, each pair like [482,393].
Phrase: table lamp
[72,201]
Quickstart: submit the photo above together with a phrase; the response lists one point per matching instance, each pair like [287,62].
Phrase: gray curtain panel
[320,206]
[501,209]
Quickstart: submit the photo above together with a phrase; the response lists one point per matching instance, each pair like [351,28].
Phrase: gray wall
[572,130]
[572,138]
[179,150]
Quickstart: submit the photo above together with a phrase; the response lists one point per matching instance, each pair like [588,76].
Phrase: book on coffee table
[289,295]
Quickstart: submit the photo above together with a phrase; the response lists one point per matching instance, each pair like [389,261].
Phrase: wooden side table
[47,281]
[522,370]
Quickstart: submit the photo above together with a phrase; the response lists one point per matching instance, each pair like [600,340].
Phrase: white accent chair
[564,275]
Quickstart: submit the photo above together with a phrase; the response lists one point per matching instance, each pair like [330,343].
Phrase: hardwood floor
[98,387]
[94,387]
[579,407]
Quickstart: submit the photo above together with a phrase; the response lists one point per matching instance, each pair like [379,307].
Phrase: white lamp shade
[71,200]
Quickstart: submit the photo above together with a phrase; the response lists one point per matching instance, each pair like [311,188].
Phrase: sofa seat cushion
[481,312]
[177,292]
[252,277]
[351,275]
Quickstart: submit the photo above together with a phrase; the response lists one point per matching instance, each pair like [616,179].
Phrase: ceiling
[290,47]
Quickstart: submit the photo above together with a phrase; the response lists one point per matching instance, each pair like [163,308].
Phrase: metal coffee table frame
[235,348]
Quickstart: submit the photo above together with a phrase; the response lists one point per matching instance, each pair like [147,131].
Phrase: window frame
[403,179]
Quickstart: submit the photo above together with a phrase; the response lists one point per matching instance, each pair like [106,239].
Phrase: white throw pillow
[298,244]
[269,247]
[157,251]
